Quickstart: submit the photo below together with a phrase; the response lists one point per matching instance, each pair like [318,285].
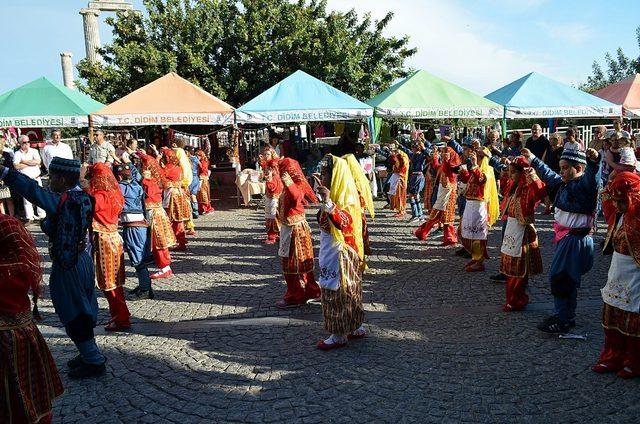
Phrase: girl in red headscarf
[520,254]
[444,209]
[176,201]
[162,235]
[296,247]
[273,191]
[108,250]
[204,194]
[621,295]
[29,380]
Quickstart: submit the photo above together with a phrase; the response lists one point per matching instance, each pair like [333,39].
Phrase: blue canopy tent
[302,98]
[537,96]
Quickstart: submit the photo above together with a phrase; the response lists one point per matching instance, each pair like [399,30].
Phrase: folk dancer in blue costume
[194,187]
[69,215]
[135,229]
[418,156]
[576,192]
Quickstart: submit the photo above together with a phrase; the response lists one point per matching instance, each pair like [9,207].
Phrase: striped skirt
[108,257]
[625,322]
[342,309]
[29,379]
[162,235]
[300,258]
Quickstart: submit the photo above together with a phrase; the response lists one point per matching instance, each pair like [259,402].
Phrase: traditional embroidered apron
[513,236]
[623,284]
[443,197]
[270,207]
[285,241]
[474,220]
[393,184]
[329,260]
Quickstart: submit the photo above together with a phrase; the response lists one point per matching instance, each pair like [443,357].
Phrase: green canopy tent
[424,96]
[43,103]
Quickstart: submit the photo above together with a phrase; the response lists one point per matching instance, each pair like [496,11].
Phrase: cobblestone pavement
[213,348]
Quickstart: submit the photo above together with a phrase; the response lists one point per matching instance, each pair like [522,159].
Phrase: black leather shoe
[85,370]
[75,362]
[498,277]
[139,294]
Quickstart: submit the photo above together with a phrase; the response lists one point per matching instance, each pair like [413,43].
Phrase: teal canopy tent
[302,98]
[43,103]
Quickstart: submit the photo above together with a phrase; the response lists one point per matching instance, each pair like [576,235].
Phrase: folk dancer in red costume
[108,250]
[399,181]
[204,194]
[29,379]
[520,253]
[366,198]
[296,247]
[175,201]
[482,207]
[444,208]
[621,294]
[273,191]
[341,254]
[162,235]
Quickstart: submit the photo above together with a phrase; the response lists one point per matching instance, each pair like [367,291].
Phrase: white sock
[333,339]
[360,331]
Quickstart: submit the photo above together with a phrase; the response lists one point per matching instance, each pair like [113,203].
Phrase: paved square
[213,348]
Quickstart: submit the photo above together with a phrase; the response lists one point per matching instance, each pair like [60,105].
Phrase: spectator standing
[571,142]
[55,149]
[537,144]
[101,151]
[5,192]
[514,145]
[27,161]
[598,138]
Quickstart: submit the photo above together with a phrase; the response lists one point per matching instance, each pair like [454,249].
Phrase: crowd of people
[144,202]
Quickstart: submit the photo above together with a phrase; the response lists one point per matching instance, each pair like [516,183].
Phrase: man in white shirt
[27,161]
[55,148]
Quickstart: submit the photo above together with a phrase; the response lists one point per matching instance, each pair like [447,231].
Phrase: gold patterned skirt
[108,257]
[162,235]
[300,258]
[177,204]
[204,194]
[342,309]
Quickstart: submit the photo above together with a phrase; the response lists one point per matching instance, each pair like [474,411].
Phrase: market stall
[423,96]
[306,113]
[537,96]
[625,93]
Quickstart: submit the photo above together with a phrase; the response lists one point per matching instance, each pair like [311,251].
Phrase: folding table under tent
[537,96]
[302,98]
[625,93]
[43,103]
[169,100]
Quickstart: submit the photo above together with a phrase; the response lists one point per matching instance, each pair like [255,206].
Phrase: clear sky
[479,44]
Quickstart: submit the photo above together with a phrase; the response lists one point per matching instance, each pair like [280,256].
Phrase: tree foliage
[618,67]
[237,49]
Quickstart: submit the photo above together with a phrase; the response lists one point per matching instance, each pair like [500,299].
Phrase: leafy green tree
[237,49]
[619,66]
